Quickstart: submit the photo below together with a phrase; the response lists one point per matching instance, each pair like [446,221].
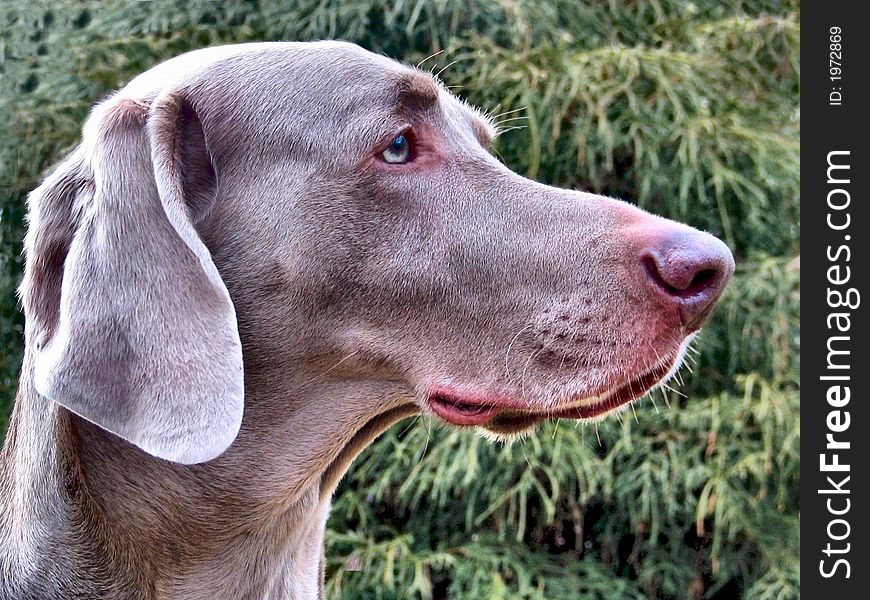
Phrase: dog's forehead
[262,67]
[287,87]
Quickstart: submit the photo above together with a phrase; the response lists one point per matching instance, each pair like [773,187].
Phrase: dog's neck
[117,523]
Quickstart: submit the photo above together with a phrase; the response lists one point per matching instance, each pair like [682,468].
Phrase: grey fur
[229,203]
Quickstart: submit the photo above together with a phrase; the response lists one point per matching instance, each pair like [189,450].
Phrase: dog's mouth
[506,417]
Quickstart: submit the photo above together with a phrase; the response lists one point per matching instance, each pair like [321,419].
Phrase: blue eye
[398,151]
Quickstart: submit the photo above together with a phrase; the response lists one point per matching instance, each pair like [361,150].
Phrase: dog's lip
[627,392]
[499,413]
[462,411]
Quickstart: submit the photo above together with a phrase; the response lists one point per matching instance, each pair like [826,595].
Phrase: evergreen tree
[689,109]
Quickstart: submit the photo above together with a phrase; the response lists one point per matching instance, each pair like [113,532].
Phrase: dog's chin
[501,418]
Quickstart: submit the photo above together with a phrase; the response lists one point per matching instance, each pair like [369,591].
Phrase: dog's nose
[690,269]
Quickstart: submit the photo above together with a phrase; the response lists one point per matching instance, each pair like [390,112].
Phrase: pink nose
[689,269]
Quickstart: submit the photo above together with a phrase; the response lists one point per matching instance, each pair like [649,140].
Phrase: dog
[259,258]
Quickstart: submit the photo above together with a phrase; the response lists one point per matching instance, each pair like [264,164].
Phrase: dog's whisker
[502,131]
[507,352]
[505,113]
[411,424]
[340,362]
[428,422]
[670,389]
[561,364]
[445,67]
[523,373]
[488,113]
[431,56]
[523,449]
[656,406]
[665,396]
[322,375]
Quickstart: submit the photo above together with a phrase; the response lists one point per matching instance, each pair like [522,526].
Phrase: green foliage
[689,109]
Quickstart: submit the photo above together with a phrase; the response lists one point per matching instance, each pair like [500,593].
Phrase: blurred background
[688,109]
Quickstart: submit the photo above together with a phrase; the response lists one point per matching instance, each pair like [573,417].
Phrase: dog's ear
[129,321]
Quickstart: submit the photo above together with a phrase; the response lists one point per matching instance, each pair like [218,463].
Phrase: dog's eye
[398,151]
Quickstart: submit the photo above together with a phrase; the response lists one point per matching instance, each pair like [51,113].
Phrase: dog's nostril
[691,270]
[652,272]
[683,280]
[702,280]
[683,276]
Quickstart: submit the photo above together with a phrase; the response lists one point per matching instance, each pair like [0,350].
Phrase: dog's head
[338,216]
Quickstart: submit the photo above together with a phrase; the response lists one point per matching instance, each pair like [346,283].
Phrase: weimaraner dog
[258,259]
